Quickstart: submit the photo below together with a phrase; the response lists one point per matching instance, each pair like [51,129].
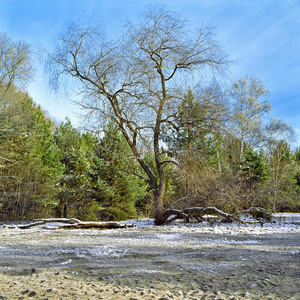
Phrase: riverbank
[181,261]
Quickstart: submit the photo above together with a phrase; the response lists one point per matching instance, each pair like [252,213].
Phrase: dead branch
[59,220]
[185,197]
[258,215]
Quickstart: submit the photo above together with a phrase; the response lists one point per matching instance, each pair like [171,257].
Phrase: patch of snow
[219,228]
[106,251]
[168,237]
[66,262]
[288,218]
[286,223]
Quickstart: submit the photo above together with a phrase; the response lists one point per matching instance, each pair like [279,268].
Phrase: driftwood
[99,225]
[73,224]
[200,214]
[257,215]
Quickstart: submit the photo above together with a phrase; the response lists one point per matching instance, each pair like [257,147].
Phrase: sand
[148,263]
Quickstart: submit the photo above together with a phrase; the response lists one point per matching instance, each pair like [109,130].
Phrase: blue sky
[262,36]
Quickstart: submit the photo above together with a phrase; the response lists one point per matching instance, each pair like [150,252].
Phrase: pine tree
[30,161]
[117,185]
[77,152]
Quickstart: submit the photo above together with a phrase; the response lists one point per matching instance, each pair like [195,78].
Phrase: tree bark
[159,208]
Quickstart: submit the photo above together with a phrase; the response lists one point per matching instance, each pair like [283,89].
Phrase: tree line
[160,125]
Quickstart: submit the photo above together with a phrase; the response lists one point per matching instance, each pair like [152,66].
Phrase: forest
[163,128]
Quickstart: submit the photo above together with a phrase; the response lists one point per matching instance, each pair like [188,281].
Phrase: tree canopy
[136,81]
[162,129]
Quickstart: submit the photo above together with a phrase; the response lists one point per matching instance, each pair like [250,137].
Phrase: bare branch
[134,80]
[181,199]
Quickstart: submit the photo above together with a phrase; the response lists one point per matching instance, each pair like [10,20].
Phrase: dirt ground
[148,264]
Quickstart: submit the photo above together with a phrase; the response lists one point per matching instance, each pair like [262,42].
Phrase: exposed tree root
[256,214]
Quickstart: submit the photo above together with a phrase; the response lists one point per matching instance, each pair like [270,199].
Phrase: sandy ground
[148,263]
[50,286]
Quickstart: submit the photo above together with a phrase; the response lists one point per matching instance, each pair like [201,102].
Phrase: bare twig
[185,197]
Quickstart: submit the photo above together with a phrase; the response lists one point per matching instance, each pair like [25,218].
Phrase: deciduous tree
[137,80]
[249,108]
[16,65]
[278,136]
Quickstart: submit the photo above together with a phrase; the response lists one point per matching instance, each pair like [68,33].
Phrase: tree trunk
[274,200]
[241,158]
[159,209]
[65,211]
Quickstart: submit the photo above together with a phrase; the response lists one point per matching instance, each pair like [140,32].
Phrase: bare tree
[279,135]
[136,80]
[15,63]
[15,71]
[249,107]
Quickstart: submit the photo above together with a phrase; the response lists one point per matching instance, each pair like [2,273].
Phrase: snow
[38,247]
[287,223]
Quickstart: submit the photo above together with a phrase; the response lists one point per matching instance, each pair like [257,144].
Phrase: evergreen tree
[118,185]
[30,162]
[254,167]
[77,152]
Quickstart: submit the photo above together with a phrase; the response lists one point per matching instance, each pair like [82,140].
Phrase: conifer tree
[30,162]
[118,183]
[77,151]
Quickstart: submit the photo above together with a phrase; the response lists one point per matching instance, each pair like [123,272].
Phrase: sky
[261,36]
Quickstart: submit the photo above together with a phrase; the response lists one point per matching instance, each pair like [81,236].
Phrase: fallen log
[72,224]
[59,220]
[95,225]
[258,215]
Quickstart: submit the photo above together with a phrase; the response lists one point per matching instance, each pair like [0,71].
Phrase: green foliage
[117,188]
[70,173]
[30,160]
[254,167]
[297,160]
[197,145]
[77,152]
[283,183]
[146,206]
[197,117]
